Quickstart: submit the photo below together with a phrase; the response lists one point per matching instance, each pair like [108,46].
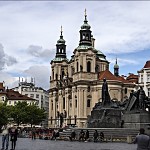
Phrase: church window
[62,74]
[76,103]
[83,36]
[87,37]
[77,66]
[52,106]
[56,76]
[88,103]
[51,120]
[88,89]
[63,102]
[125,90]
[88,66]
[53,75]
[70,104]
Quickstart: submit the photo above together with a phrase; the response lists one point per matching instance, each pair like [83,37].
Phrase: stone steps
[110,134]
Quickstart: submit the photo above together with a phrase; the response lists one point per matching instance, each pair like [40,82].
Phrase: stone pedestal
[105,118]
[137,120]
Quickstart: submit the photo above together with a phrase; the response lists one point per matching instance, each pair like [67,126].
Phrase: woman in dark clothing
[13,137]
[95,136]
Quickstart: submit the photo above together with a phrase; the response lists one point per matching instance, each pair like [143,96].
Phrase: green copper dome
[116,66]
[61,40]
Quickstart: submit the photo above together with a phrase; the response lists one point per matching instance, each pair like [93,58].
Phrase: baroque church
[76,83]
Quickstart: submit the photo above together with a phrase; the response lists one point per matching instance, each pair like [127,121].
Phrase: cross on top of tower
[85,12]
[61,30]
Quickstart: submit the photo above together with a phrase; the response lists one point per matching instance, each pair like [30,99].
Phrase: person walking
[5,137]
[13,137]
[142,140]
[33,132]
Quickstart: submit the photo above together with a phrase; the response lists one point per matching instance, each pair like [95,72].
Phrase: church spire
[85,32]
[116,69]
[60,46]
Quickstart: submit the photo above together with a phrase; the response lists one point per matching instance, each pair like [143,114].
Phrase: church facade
[76,83]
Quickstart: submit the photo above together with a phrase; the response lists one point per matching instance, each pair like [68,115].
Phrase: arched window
[83,37]
[88,103]
[87,37]
[75,103]
[52,106]
[88,66]
[77,66]
[125,90]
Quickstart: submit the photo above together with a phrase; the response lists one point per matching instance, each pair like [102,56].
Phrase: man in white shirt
[5,137]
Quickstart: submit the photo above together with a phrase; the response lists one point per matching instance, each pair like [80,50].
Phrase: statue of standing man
[105,93]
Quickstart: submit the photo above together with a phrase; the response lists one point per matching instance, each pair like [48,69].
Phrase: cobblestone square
[29,144]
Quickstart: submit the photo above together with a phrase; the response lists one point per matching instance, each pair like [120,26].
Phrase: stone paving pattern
[29,144]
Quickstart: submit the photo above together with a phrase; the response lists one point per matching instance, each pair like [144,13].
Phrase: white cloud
[29,32]
[41,75]
[6,60]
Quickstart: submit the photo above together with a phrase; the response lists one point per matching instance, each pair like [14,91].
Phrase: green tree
[4,114]
[35,115]
[19,113]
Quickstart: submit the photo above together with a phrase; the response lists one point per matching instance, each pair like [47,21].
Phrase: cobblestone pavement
[29,144]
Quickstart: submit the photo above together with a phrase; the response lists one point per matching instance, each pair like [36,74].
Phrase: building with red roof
[144,78]
[12,97]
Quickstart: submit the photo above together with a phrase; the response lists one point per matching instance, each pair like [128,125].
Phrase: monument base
[105,118]
[137,120]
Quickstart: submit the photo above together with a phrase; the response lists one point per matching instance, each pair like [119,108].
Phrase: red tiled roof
[147,65]
[109,76]
[13,95]
[132,76]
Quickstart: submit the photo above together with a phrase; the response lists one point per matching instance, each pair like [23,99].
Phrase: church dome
[61,40]
[116,66]
[85,26]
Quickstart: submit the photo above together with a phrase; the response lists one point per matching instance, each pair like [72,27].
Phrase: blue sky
[29,31]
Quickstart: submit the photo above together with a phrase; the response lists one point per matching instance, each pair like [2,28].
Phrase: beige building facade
[76,83]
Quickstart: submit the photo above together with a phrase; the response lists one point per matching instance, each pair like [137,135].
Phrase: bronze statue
[141,98]
[105,93]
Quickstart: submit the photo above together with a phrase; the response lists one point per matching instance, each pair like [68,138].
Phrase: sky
[29,31]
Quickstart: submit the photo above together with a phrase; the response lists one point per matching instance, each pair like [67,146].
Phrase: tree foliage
[22,113]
